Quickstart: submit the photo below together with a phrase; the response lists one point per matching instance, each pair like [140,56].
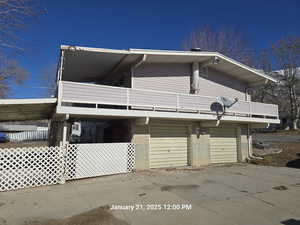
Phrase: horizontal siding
[176,78]
[163,77]
[93,93]
[150,98]
[215,83]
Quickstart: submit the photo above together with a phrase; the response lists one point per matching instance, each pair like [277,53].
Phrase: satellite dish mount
[226,103]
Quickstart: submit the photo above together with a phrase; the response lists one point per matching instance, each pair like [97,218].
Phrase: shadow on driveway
[291,222]
[294,163]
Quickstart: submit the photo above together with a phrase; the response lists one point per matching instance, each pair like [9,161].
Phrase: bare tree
[48,78]
[282,62]
[226,40]
[287,58]
[10,72]
[14,15]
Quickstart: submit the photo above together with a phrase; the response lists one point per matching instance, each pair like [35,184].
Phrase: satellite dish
[220,106]
[226,102]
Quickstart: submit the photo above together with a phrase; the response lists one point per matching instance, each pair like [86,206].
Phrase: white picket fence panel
[38,166]
[90,160]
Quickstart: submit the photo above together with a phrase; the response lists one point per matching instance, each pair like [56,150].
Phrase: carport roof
[26,109]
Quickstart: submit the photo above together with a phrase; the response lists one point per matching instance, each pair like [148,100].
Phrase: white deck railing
[73,92]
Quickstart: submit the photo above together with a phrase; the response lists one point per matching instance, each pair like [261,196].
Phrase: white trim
[27,101]
[89,49]
[153,114]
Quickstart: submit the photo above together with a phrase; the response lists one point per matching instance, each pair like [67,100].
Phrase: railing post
[127,98]
[59,93]
[177,102]
[250,109]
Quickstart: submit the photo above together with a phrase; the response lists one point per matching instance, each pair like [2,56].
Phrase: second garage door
[223,145]
[168,146]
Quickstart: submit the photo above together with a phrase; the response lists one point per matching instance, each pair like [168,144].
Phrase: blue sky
[144,24]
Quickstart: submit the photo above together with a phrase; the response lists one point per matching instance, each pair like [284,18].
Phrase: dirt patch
[179,187]
[23,144]
[289,157]
[2,204]
[280,188]
[101,215]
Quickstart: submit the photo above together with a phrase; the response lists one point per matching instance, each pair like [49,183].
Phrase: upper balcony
[89,99]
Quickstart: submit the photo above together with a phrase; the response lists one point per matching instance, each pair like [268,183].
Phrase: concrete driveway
[232,194]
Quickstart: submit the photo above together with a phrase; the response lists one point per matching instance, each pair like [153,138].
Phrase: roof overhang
[27,109]
[88,64]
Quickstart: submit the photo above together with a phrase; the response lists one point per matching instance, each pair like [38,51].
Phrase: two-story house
[168,103]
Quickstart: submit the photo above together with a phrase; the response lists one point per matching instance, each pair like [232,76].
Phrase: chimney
[196,50]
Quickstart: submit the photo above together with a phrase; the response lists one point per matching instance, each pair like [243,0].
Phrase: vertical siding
[215,83]
[163,77]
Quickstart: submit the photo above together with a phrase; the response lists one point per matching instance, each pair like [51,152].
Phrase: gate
[90,160]
[38,166]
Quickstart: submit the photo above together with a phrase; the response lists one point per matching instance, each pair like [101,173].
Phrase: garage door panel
[159,152]
[157,156]
[168,146]
[223,145]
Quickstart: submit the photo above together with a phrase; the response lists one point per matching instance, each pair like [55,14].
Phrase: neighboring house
[162,101]
[23,132]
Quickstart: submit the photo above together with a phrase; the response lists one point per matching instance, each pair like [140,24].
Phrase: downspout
[249,140]
[195,78]
[140,62]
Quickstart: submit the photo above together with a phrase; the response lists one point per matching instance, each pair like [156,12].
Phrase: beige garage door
[168,146]
[223,145]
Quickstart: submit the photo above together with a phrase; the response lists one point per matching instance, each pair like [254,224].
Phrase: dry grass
[289,157]
[23,144]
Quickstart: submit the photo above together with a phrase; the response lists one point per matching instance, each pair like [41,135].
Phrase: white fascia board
[166,115]
[246,67]
[27,101]
[89,49]
[171,52]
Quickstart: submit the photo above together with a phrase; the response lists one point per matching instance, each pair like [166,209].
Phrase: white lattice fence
[90,160]
[37,166]
[30,167]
